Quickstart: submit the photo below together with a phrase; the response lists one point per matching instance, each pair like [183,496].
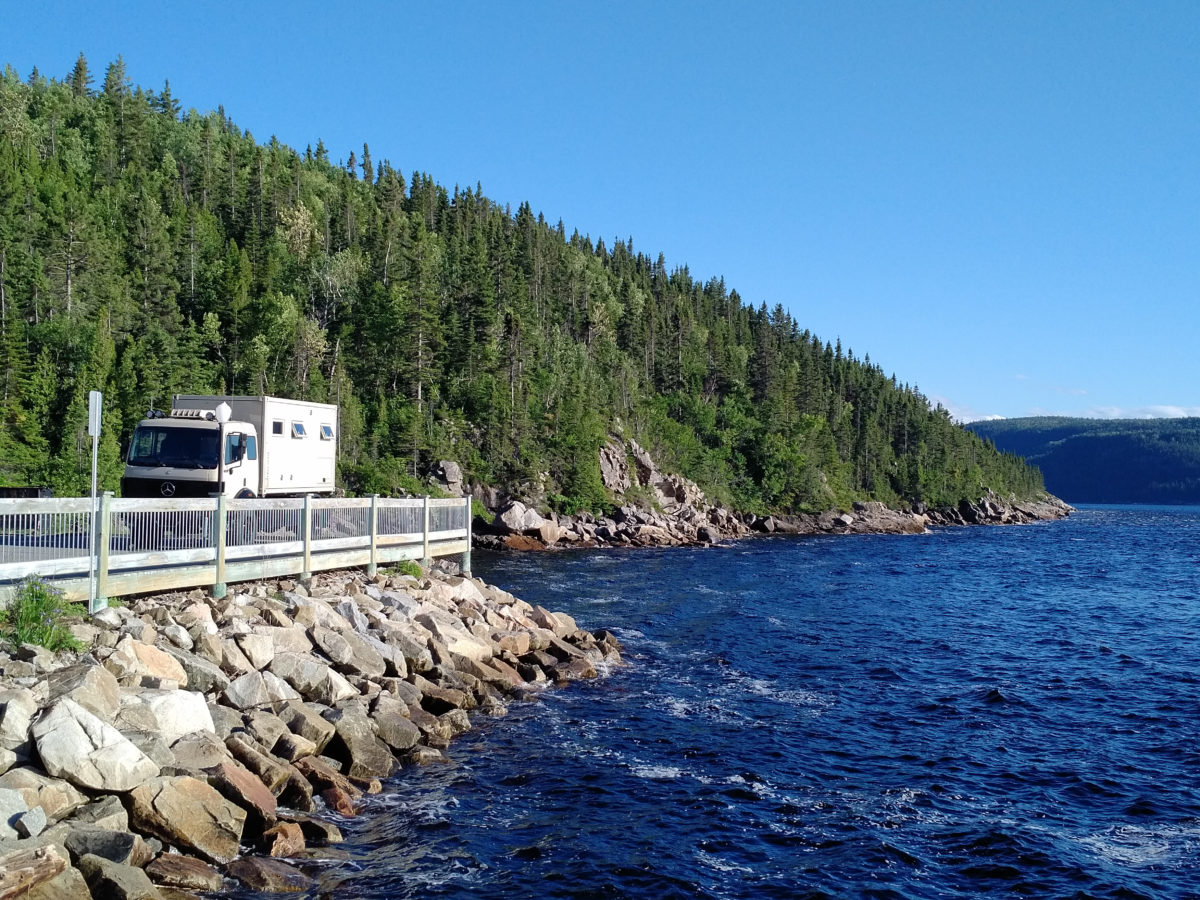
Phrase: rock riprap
[193,728]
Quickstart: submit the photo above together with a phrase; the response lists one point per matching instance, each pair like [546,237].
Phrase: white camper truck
[236,446]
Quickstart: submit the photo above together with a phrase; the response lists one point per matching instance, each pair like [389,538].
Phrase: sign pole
[95,404]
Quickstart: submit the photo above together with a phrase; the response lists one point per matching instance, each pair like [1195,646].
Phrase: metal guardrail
[158,545]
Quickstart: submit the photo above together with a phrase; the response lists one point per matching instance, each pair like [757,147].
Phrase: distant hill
[1106,460]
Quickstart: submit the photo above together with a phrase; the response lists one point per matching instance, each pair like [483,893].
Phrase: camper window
[327,432]
[298,430]
[277,427]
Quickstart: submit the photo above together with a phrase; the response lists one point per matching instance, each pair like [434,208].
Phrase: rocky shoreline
[198,744]
[693,521]
[660,509]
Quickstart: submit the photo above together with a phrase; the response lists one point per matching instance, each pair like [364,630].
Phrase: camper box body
[297,440]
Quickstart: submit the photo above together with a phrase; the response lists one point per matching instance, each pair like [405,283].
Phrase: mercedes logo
[168,489]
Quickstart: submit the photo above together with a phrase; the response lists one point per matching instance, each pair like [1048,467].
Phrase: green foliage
[407,567]
[144,252]
[479,511]
[35,616]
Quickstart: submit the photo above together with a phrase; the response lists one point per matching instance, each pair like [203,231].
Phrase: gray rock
[356,744]
[178,636]
[198,751]
[312,678]
[308,723]
[18,706]
[114,881]
[265,727]
[59,798]
[12,807]
[188,813]
[104,812]
[32,823]
[258,689]
[393,725]
[91,686]
[517,518]
[203,675]
[116,846]
[178,713]
[348,651]
[76,745]
[258,648]
[225,720]
[614,469]
[287,639]
[349,611]
[152,744]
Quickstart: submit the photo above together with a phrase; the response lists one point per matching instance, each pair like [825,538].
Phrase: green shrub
[408,567]
[35,616]
[479,511]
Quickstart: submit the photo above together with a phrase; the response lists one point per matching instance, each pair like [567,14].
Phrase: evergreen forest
[147,250]
[1107,460]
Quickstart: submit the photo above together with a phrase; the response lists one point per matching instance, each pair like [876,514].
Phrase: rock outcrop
[670,510]
[194,728]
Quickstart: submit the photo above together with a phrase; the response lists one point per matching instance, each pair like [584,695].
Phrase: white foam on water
[721,864]
[1132,845]
[679,709]
[656,773]
[627,633]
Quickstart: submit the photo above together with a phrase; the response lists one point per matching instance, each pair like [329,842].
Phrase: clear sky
[999,202]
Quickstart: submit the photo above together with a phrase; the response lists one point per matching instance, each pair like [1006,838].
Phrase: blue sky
[999,202]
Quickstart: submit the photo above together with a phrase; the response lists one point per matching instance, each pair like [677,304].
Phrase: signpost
[95,404]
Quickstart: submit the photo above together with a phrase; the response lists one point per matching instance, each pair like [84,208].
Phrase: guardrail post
[425,558]
[306,527]
[373,565]
[219,545]
[104,536]
[466,557]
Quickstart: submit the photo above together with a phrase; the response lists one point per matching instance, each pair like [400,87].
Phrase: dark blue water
[1011,711]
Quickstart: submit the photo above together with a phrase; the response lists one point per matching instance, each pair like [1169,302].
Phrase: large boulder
[357,746]
[313,679]
[58,797]
[188,813]
[449,475]
[120,882]
[202,674]
[18,706]
[92,687]
[349,651]
[517,518]
[76,745]
[178,713]
[258,689]
[132,659]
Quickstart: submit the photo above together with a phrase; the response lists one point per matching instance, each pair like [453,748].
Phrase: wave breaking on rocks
[199,743]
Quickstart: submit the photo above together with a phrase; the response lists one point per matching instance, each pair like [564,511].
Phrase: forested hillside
[145,250]
[1107,460]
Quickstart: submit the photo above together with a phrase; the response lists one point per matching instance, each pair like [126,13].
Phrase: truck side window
[251,447]
[298,430]
[235,448]
[327,432]
[277,427]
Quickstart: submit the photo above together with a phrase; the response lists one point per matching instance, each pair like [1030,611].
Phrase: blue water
[1005,711]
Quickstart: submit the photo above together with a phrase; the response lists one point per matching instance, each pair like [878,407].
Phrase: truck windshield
[178,448]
